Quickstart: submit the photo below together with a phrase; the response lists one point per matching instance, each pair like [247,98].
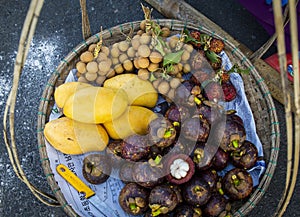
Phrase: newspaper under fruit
[109,191]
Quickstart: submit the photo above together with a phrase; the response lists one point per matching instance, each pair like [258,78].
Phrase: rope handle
[27,33]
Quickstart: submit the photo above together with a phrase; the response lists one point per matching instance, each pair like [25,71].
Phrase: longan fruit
[92,67]
[186,68]
[153,67]
[188,47]
[155,57]
[119,69]
[136,63]
[135,42]
[86,56]
[165,32]
[175,70]
[123,46]
[185,56]
[143,62]
[131,52]
[105,50]
[115,52]
[180,67]
[143,74]
[111,73]
[144,50]
[143,25]
[82,79]
[145,38]
[175,82]
[171,95]
[128,65]
[91,76]
[81,67]
[173,41]
[140,32]
[100,79]
[123,57]
[156,83]
[163,87]
[101,56]
[104,66]
[92,47]
[115,60]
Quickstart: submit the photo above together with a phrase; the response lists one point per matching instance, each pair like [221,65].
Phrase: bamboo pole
[24,44]
[179,9]
[291,165]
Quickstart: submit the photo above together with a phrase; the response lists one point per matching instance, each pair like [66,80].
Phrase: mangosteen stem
[132,206]
[168,133]
[221,191]
[236,181]
[197,100]
[158,159]
[156,212]
[176,124]
[235,143]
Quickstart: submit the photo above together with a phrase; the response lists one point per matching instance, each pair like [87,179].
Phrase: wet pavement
[58,32]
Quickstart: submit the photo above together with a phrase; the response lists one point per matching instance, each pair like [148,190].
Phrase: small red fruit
[229,91]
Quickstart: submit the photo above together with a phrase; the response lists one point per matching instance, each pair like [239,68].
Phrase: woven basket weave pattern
[256,90]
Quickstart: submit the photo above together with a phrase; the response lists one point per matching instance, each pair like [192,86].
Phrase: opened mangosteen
[220,159]
[246,156]
[149,173]
[180,168]
[133,199]
[237,183]
[234,133]
[96,168]
[135,147]
[215,206]
[195,129]
[126,171]
[201,157]
[163,199]
[196,192]
[161,132]
[185,210]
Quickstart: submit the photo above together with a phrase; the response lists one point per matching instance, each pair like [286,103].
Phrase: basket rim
[174,25]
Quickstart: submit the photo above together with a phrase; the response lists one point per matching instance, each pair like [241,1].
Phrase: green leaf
[212,56]
[189,38]
[172,58]
[160,45]
[236,68]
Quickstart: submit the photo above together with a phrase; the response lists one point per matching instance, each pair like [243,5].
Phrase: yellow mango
[134,120]
[64,91]
[73,137]
[95,104]
[140,92]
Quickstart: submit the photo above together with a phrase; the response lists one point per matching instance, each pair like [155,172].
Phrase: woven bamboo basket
[257,93]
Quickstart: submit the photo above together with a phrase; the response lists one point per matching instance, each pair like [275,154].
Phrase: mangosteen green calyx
[237,184]
[246,156]
[180,168]
[201,157]
[96,168]
[163,199]
[161,132]
[133,199]
[196,192]
[234,134]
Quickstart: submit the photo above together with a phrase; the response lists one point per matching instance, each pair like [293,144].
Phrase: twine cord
[24,45]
